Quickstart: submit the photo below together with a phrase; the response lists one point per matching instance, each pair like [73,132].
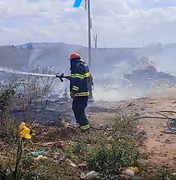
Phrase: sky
[118,23]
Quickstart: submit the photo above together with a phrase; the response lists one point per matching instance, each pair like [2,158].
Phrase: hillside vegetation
[56,54]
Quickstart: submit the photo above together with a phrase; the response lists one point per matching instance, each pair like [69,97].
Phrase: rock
[48,144]
[51,123]
[167,141]
[109,139]
[163,155]
[40,157]
[70,163]
[89,175]
[130,104]
[136,114]
[60,157]
[82,165]
[129,172]
[101,126]
[152,102]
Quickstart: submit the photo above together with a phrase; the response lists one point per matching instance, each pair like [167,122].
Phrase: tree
[30,46]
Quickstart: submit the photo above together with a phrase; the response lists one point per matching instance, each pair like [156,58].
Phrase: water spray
[6,70]
[58,75]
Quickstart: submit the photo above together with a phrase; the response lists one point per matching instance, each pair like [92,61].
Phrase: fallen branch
[169,121]
[169,111]
[151,117]
[162,115]
[167,132]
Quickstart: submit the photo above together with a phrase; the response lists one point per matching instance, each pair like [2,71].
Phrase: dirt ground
[160,146]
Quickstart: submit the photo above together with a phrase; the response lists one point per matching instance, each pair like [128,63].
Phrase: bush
[35,91]
[108,152]
[109,159]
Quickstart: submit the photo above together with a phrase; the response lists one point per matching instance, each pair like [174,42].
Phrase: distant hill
[45,54]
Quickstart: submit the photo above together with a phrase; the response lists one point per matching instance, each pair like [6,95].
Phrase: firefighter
[80,88]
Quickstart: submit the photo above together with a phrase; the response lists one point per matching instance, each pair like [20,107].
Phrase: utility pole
[87,7]
[95,41]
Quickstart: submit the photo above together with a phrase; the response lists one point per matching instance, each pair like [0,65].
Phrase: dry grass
[107,152]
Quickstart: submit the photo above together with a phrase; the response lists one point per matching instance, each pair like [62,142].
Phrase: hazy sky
[117,22]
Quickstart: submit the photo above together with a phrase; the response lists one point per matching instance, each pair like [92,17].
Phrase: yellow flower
[22,125]
[24,131]
[134,169]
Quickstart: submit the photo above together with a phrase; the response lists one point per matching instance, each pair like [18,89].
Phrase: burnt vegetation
[63,152]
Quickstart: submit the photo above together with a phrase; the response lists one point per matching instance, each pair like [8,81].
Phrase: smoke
[112,89]
[119,94]
[108,68]
[164,58]
[111,95]
[34,56]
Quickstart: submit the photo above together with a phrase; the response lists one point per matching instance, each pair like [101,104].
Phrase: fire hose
[62,76]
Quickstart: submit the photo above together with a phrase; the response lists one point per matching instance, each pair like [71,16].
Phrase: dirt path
[159,146]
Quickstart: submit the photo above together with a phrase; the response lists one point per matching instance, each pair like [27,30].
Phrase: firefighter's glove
[68,77]
[72,94]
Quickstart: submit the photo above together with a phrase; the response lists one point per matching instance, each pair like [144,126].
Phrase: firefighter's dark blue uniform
[80,85]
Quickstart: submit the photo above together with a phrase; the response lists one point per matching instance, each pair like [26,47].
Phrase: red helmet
[74,55]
